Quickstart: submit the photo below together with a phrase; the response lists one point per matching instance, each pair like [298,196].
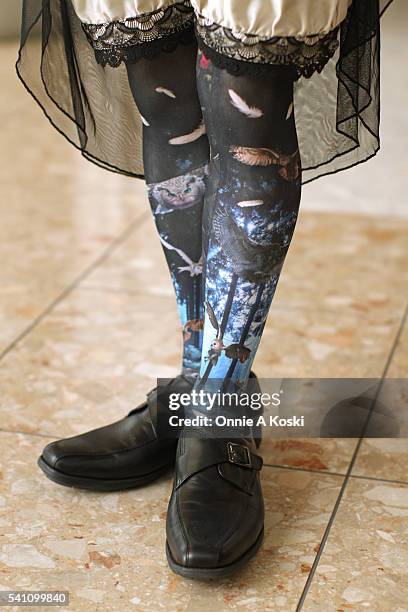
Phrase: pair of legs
[223,175]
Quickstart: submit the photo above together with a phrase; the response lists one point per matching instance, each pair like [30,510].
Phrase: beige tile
[41,258]
[108,549]
[58,211]
[89,362]
[364,563]
[343,262]
[137,266]
[320,344]
[332,454]
[388,457]
[383,458]
[399,362]
[97,546]
[307,343]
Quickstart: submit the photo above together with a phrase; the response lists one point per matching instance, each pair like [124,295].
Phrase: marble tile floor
[84,333]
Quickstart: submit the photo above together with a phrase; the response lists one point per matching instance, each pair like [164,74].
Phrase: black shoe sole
[204,573]
[100,484]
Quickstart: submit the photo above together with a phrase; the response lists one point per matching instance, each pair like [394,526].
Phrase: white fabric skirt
[260,17]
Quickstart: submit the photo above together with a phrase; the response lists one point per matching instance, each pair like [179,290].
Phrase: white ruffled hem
[260,17]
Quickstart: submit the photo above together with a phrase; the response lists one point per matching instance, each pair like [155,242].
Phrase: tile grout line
[378,479]
[330,473]
[349,469]
[300,469]
[71,286]
[26,433]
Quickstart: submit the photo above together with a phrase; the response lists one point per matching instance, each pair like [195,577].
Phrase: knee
[153,100]
[253,238]
[165,93]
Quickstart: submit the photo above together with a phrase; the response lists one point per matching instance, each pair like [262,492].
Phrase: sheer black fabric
[336,110]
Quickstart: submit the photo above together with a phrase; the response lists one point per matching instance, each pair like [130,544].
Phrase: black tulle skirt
[87,97]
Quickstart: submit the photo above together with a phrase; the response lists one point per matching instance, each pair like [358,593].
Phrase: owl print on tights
[177,205]
[179,192]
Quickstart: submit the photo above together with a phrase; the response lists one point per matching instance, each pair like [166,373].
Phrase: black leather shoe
[215,517]
[123,455]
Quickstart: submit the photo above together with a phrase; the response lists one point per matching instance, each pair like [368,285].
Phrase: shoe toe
[197,556]
[52,453]
[200,534]
[67,455]
[211,524]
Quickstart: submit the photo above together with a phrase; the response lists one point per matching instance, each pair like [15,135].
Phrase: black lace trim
[142,36]
[246,53]
[146,35]
[239,67]
[114,56]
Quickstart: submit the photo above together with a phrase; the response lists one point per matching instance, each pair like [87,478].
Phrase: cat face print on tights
[179,192]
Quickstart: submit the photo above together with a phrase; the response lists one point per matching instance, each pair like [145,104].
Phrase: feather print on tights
[262,156]
[247,203]
[168,92]
[191,137]
[250,111]
[290,111]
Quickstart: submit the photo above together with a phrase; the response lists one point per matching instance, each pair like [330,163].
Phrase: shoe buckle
[239,454]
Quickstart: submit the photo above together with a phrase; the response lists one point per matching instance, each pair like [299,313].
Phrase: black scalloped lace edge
[114,56]
[238,67]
